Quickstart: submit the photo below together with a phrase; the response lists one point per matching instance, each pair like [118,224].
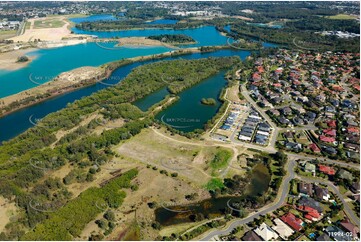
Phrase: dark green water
[213,207]
[145,103]
[188,114]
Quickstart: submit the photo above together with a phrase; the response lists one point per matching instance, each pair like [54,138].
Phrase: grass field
[342,16]
[48,23]
[5,34]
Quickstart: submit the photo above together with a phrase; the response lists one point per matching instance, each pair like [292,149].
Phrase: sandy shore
[8,60]
[142,41]
[74,79]
[65,82]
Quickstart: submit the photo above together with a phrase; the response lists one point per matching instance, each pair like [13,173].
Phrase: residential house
[327,139]
[323,237]
[329,132]
[343,174]
[251,236]
[309,167]
[283,120]
[305,188]
[350,146]
[291,220]
[314,148]
[265,232]
[329,150]
[274,112]
[337,234]
[331,123]
[311,214]
[322,193]
[286,111]
[297,147]
[310,202]
[347,226]
[327,170]
[282,229]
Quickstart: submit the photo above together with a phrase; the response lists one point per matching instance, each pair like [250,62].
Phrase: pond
[214,207]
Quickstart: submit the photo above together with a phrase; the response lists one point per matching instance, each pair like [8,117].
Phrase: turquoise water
[228,28]
[17,122]
[205,35]
[94,18]
[163,21]
[51,62]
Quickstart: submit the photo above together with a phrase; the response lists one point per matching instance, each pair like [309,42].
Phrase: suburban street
[279,201]
[284,188]
[335,189]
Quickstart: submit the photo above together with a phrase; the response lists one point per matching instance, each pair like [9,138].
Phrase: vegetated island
[208,101]
[173,38]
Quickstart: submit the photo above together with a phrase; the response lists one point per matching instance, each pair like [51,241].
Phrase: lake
[205,35]
[51,62]
[58,60]
[163,21]
[94,18]
[18,121]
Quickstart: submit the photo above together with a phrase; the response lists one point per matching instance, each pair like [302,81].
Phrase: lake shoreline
[8,60]
[107,67]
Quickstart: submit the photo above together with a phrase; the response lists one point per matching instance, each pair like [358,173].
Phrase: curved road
[329,184]
[280,201]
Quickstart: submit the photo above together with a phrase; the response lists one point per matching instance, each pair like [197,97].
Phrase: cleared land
[49,23]
[8,60]
[142,41]
[342,16]
[46,29]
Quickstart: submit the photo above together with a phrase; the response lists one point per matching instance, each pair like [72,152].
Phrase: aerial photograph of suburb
[179,120]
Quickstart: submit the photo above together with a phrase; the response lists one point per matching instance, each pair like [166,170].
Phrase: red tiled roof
[337,88]
[292,221]
[331,123]
[260,69]
[327,170]
[314,147]
[327,139]
[311,212]
[353,129]
[256,76]
[330,132]
[277,84]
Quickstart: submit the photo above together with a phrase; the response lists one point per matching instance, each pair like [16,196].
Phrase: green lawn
[220,160]
[214,183]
